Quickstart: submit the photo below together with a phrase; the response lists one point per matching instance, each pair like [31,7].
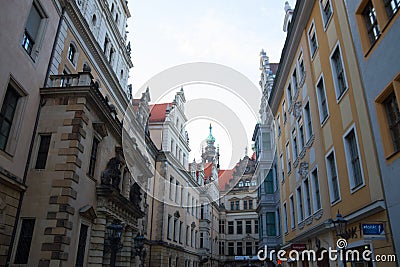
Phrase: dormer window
[240,184]
[247,183]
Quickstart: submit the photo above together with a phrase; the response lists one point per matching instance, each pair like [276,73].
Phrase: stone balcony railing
[71,80]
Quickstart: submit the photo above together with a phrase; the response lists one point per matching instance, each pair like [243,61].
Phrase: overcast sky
[164,34]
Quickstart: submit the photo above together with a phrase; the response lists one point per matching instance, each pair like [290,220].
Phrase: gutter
[28,160]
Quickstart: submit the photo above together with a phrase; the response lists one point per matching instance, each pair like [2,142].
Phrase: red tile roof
[224,176]
[157,112]
[208,170]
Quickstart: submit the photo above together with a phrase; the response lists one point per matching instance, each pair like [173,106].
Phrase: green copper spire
[210,138]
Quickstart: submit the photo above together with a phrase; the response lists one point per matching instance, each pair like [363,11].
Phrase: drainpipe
[41,104]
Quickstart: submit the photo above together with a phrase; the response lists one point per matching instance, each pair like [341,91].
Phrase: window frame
[319,100]
[339,93]
[40,137]
[353,186]
[315,187]
[326,20]
[312,31]
[330,180]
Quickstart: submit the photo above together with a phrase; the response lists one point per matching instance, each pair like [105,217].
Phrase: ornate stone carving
[303,169]
[135,195]
[112,174]
[297,109]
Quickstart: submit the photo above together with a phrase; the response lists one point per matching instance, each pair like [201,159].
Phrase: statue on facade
[135,195]
[112,173]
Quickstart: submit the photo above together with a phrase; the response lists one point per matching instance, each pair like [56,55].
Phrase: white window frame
[314,187]
[282,168]
[310,30]
[329,175]
[321,119]
[299,204]
[334,74]
[285,218]
[305,191]
[353,188]
[292,211]
[325,21]
[300,58]
[288,159]
[309,132]
[295,147]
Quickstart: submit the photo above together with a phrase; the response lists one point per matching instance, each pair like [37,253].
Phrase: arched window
[241,184]
[71,53]
[122,74]
[106,41]
[94,19]
[112,8]
[247,183]
[116,18]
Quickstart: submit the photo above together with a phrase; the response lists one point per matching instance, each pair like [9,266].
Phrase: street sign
[298,247]
[372,229]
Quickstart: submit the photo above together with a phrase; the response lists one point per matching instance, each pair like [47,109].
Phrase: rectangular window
[169,227]
[332,178]
[316,193]
[7,115]
[176,191]
[294,146]
[339,75]
[288,164]
[312,39]
[192,239]
[245,207]
[307,197]
[180,232]
[230,228]
[201,240]
[24,241]
[232,205]
[239,248]
[248,227]
[93,157]
[32,27]
[250,204]
[285,218]
[271,229]
[289,95]
[239,227]
[301,137]
[188,203]
[175,229]
[302,71]
[322,102]
[237,205]
[295,82]
[284,112]
[249,249]
[393,118]
[308,121]
[80,257]
[43,151]
[231,248]
[222,226]
[391,7]
[292,212]
[171,187]
[269,183]
[371,22]
[278,122]
[299,198]
[354,162]
[326,9]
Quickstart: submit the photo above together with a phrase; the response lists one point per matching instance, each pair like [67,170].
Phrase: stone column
[97,238]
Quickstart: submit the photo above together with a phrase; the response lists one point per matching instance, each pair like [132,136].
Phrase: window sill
[336,202]
[324,121]
[326,25]
[356,188]
[342,95]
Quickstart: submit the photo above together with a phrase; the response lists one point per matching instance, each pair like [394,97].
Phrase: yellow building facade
[327,160]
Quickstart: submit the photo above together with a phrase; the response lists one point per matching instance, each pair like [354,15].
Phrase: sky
[164,34]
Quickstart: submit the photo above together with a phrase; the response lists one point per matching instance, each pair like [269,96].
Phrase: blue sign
[372,228]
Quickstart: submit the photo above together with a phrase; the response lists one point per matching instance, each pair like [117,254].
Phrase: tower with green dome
[210,153]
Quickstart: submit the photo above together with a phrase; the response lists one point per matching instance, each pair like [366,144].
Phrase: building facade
[266,166]
[78,179]
[375,27]
[28,30]
[327,160]
[239,225]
